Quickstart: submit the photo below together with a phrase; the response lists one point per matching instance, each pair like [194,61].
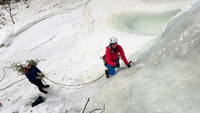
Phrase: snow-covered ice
[71,35]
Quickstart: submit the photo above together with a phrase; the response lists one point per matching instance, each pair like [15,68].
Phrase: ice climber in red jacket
[111,58]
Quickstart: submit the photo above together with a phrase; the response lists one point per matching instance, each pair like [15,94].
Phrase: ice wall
[169,81]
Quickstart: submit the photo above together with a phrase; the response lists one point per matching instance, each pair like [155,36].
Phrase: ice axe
[130,63]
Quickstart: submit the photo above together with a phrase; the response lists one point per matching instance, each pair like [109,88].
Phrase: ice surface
[164,80]
[141,22]
[169,81]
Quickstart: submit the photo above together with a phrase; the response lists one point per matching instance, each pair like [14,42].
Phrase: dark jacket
[32,73]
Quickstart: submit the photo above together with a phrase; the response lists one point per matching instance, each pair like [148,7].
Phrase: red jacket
[111,56]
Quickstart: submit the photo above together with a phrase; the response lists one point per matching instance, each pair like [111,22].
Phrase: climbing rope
[5,61]
[60,84]
[11,84]
[4,77]
[76,85]
[4,73]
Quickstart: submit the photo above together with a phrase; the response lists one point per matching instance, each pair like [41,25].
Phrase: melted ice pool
[144,23]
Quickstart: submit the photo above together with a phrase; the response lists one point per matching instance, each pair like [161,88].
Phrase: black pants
[39,84]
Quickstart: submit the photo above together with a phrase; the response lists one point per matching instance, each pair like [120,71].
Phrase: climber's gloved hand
[129,64]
